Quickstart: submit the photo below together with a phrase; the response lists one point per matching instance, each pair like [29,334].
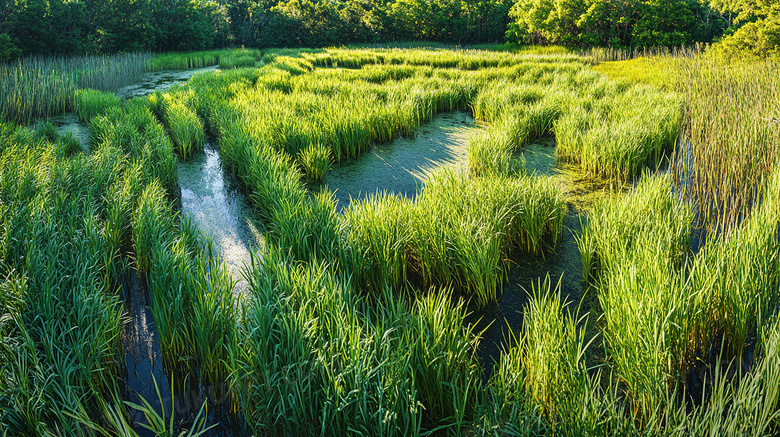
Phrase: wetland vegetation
[430,302]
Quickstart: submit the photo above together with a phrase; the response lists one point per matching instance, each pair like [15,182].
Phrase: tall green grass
[44,86]
[399,369]
[90,103]
[729,143]
[457,233]
[190,60]
[60,317]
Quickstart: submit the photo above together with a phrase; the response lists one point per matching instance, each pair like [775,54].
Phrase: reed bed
[457,233]
[604,126]
[635,249]
[460,59]
[351,322]
[729,143]
[202,59]
[239,58]
[186,129]
[400,368]
[60,317]
[663,306]
[44,86]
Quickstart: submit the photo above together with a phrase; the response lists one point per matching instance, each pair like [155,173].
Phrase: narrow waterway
[212,199]
[145,375]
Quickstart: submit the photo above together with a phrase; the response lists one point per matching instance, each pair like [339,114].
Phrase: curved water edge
[69,123]
[211,197]
[563,264]
[152,82]
[160,81]
[403,165]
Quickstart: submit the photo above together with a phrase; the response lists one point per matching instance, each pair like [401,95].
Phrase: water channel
[212,198]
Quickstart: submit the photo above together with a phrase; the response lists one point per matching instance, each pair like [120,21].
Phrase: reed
[37,87]
[727,151]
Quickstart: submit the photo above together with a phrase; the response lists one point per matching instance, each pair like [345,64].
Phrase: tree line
[59,27]
[742,25]
[109,26]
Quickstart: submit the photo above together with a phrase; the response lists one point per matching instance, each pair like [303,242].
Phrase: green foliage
[8,51]
[315,161]
[45,86]
[607,23]
[90,103]
[457,232]
[760,39]
[404,368]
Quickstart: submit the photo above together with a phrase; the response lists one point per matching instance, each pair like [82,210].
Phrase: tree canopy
[110,26]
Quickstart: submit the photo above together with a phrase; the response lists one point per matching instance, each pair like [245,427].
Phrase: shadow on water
[212,199]
[148,377]
[402,165]
[562,263]
[143,360]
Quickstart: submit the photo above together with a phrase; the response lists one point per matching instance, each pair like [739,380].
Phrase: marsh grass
[727,150]
[201,59]
[355,323]
[457,233]
[60,340]
[348,371]
[89,103]
[44,86]
[315,161]
[185,127]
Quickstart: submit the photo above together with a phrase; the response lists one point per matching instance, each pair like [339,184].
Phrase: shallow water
[68,122]
[147,376]
[403,165]
[562,264]
[159,81]
[143,361]
[211,197]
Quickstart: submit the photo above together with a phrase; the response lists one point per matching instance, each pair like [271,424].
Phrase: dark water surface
[149,378]
[69,123]
[159,81]
[563,263]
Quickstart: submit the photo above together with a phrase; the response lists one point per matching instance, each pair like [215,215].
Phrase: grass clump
[457,233]
[405,370]
[315,161]
[185,127]
[90,103]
